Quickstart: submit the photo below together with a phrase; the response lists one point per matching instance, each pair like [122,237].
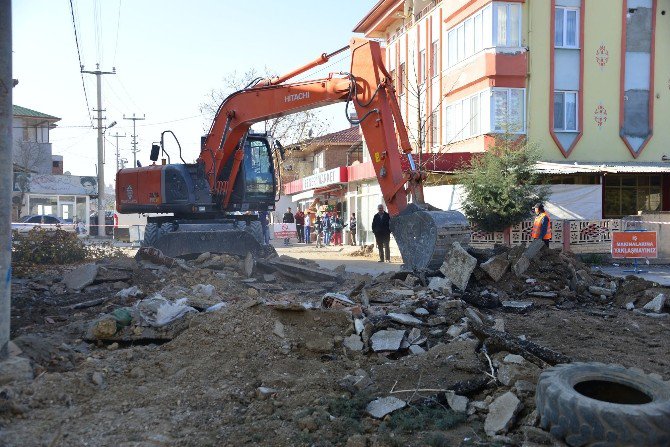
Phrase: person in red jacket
[541,225]
[300,224]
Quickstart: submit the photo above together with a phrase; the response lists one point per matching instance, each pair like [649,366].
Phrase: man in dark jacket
[382,230]
[288,218]
[300,225]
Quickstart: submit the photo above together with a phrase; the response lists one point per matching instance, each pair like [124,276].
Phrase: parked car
[27,223]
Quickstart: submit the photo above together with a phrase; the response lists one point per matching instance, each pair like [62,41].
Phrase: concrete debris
[655,305]
[379,408]
[514,358]
[502,412]
[278,330]
[387,340]
[517,306]
[359,325]
[499,325]
[206,290]
[459,266]
[548,295]
[630,306]
[416,350]
[601,291]
[414,336]
[129,292]
[496,267]
[353,343]
[104,328]
[455,330]
[81,277]
[457,403]
[405,319]
[442,285]
[420,311]
[473,315]
[336,300]
[15,369]
[356,382]
[98,379]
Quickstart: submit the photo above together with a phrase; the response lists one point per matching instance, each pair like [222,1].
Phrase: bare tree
[29,157]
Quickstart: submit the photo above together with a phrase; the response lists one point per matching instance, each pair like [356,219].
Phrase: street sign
[284,230]
[634,244]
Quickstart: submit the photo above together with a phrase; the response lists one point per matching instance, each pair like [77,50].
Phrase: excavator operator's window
[260,160]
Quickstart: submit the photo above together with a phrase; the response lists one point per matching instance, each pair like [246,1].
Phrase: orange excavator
[212,202]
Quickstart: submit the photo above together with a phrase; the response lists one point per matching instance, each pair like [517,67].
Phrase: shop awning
[303,195]
[568,168]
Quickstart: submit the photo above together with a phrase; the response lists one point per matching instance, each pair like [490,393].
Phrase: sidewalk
[655,273]
[332,256]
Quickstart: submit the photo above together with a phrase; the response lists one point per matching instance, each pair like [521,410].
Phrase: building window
[433,59]
[422,67]
[507,24]
[475,34]
[627,194]
[566,33]
[433,129]
[508,110]
[565,111]
[319,161]
[401,79]
[464,118]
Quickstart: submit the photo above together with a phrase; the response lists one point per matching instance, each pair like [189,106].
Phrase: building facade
[40,185]
[584,80]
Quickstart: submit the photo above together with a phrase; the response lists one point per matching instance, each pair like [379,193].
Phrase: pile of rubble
[223,348]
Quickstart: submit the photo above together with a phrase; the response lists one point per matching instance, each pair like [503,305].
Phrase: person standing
[381,227]
[263,218]
[338,226]
[300,225]
[288,218]
[318,226]
[541,225]
[352,229]
[327,228]
[308,226]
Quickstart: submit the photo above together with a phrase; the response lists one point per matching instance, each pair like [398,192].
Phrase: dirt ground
[268,367]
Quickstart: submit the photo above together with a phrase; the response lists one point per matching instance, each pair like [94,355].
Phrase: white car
[27,223]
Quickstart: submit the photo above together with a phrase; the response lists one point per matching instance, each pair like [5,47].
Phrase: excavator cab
[255,186]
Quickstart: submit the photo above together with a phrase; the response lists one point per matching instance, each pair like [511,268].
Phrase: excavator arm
[368,86]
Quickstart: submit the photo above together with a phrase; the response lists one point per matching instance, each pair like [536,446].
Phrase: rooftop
[24,111]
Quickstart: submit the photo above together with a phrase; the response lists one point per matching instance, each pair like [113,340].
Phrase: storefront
[322,192]
[64,196]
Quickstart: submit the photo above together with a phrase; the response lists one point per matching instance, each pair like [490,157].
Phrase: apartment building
[584,80]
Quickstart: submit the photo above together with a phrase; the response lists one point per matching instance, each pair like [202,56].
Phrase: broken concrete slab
[353,343]
[405,319]
[517,306]
[379,408]
[547,295]
[81,277]
[414,336]
[533,248]
[278,329]
[459,266]
[496,267]
[356,382]
[502,412]
[387,340]
[514,358]
[421,312]
[521,265]
[455,330]
[336,300]
[416,350]
[295,269]
[656,305]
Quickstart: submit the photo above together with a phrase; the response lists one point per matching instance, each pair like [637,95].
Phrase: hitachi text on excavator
[205,203]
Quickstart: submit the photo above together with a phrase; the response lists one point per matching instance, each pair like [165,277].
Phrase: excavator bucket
[192,240]
[425,236]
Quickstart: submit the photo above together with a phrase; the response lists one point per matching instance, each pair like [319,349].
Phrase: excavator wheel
[256,230]
[425,235]
[151,234]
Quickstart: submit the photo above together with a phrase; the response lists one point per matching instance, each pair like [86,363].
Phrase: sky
[168,57]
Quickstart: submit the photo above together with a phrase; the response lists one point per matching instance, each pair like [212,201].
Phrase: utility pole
[134,142]
[6,140]
[101,158]
[117,136]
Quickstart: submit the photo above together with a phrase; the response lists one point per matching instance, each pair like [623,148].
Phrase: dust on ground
[278,364]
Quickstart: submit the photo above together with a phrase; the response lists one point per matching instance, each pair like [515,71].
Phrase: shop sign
[284,230]
[322,179]
[634,244]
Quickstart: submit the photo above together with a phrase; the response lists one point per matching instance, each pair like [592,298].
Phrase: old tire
[256,230]
[594,404]
[151,233]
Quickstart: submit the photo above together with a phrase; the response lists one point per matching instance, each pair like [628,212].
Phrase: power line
[116,44]
[81,66]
